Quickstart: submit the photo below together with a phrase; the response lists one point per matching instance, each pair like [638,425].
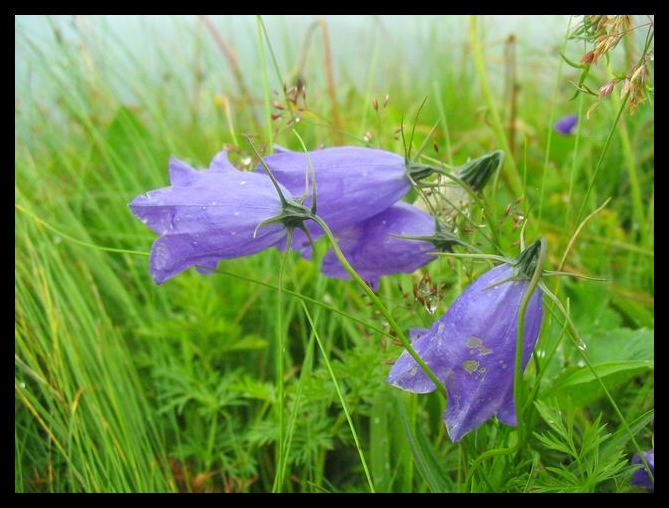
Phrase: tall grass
[248,381]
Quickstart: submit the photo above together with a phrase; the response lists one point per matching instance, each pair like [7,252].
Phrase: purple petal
[352,183]
[481,327]
[374,247]
[408,375]
[206,216]
[641,478]
[566,125]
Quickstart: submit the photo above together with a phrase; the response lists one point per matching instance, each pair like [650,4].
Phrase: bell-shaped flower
[351,183]
[400,239]
[208,215]
[472,348]
[641,478]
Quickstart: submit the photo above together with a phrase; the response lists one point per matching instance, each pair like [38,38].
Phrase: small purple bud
[641,478]
[566,125]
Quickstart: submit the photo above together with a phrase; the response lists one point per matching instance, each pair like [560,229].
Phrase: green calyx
[293,214]
[477,172]
[443,239]
[527,262]
[417,172]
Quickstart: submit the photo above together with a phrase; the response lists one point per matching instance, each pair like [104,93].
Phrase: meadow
[268,375]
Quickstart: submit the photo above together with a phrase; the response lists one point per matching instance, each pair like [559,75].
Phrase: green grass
[251,381]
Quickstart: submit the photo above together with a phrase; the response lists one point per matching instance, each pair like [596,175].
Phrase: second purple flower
[472,348]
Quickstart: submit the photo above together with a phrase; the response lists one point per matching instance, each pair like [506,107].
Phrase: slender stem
[605,148]
[262,37]
[342,399]
[518,372]
[331,89]
[511,177]
[379,305]
[278,358]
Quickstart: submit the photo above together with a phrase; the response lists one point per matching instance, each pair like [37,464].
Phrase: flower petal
[205,216]
[374,247]
[482,327]
[352,183]
[472,350]
[408,375]
[641,478]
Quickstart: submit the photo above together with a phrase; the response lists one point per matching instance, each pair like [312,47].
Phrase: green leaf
[581,386]
[620,438]
[427,461]
[380,441]
[622,344]
[591,308]
[247,343]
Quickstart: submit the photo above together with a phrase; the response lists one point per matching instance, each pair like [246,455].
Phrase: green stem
[281,458]
[518,372]
[379,305]
[632,167]
[342,400]
[601,158]
[511,177]
[262,36]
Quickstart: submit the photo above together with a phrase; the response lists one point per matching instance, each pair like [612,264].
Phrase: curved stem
[517,386]
[518,372]
[380,306]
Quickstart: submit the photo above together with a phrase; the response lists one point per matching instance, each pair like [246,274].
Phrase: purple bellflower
[472,348]
[400,239]
[351,183]
[213,214]
[566,125]
[641,478]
